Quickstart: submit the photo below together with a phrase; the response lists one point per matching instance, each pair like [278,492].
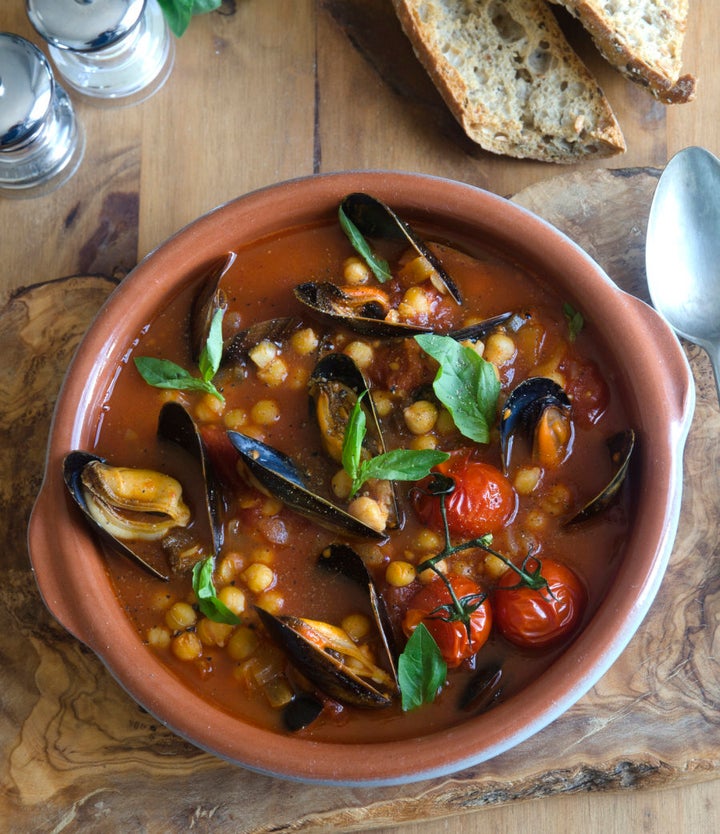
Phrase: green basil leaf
[178,14]
[162,373]
[465,384]
[399,465]
[203,6]
[421,670]
[379,266]
[208,602]
[574,319]
[354,436]
[211,354]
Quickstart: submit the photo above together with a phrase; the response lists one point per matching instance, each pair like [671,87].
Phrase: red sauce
[259,286]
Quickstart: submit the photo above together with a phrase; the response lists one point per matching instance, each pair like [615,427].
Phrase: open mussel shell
[208,301]
[176,425]
[344,561]
[302,710]
[73,466]
[322,668]
[524,408]
[483,689]
[277,331]
[375,219]
[335,386]
[278,476]
[621,447]
[480,329]
[361,312]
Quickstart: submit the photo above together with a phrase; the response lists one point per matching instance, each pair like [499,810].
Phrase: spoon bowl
[683,249]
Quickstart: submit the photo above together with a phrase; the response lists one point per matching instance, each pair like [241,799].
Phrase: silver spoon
[683,250]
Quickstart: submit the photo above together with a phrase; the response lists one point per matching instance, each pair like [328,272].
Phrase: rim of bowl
[70,569]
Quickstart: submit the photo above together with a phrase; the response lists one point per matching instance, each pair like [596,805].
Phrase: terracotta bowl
[70,567]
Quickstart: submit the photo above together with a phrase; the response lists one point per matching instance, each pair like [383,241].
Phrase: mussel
[127,505]
[336,384]
[483,689]
[362,309]
[373,218]
[326,655]
[275,474]
[540,409]
[123,505]
[208,301]
[621,447]
[272,331]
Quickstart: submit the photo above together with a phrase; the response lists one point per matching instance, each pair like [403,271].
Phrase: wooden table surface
[263,91]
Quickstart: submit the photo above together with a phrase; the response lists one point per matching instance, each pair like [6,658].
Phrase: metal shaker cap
[84,25]
[26,90]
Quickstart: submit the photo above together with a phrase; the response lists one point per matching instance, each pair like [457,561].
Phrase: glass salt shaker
[41,141]
[117,52]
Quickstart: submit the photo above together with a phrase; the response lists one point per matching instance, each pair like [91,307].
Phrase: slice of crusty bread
[641,38]
[511,79]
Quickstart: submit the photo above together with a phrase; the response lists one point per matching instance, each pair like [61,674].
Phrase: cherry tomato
[588,392]
[483,500]
[432,606]
[535,618]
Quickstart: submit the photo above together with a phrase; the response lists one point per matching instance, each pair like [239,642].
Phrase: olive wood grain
[79,755]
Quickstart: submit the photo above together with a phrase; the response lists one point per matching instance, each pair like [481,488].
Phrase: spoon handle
[713,351]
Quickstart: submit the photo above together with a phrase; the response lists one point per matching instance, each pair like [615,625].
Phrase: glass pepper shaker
[114,51]
[41,141]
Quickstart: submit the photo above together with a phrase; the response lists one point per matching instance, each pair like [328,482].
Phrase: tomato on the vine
[458,637]
[539,617]
[483,500]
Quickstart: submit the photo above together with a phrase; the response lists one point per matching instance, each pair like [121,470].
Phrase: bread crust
[623,46]
[521,92]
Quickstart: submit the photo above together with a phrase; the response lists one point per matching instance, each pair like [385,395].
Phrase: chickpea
[161,601]
[230,565]
[557,500]
[158,637]
[361,353]
[445,423]
[494,566]
[235,418]
[341,484]
[356,626]
[263,555]
[212,633]
[414,302]
[298,378]
[499,349]
[256,432]
[356,271]
[428,575]
[265,412]
[383,402]
[272,601]
[304,341]
[243,643]
[527,479]
[428,540]
[233,598]
[180,616]
[399,573]
[536,520]
[207,410]
[186,646]
[421,416]
[368,511]
[258,577]
[423,441]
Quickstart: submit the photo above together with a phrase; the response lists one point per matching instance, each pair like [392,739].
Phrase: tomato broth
[239,673]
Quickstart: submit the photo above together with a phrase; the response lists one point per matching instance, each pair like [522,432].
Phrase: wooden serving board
[76,753]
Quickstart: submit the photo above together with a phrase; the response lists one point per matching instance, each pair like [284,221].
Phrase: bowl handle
[678,379]
[42,545]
